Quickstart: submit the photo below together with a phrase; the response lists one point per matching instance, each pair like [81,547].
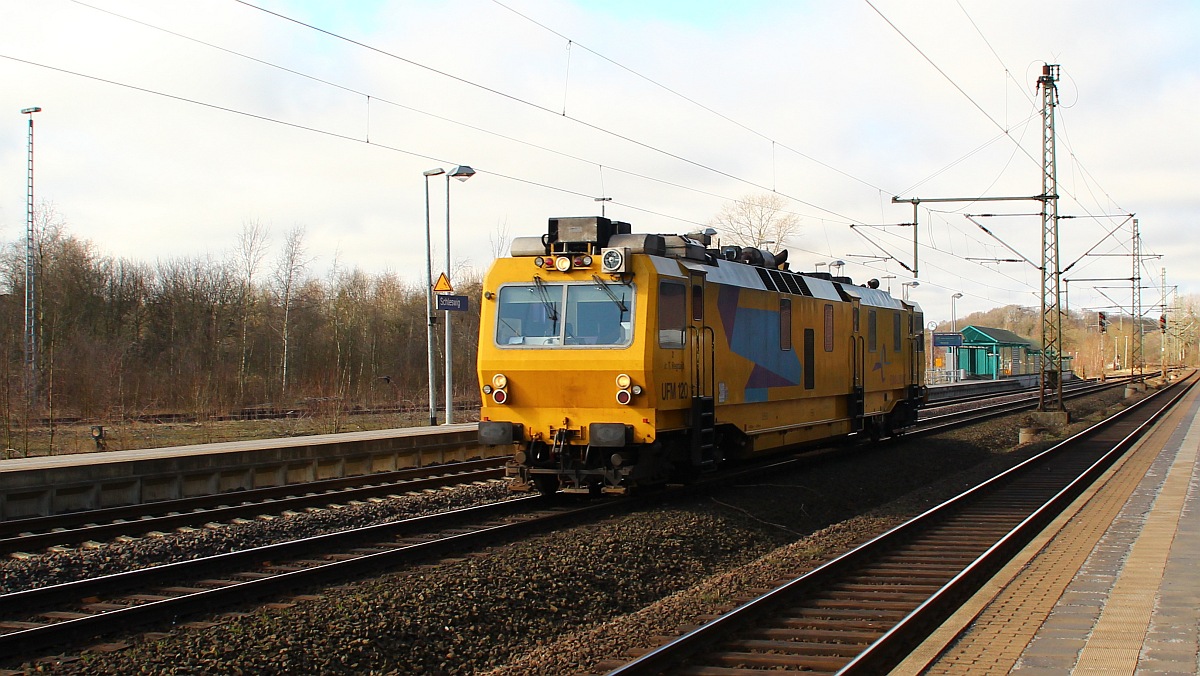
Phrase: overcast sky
[168,126]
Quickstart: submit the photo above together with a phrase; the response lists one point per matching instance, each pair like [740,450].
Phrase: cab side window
[672,314]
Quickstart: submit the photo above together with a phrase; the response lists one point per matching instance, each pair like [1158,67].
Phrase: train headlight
[487,389]
[623,381]
[499,381]
[540,262]
[637,389]
[624,397]
[499,396]
[562,263]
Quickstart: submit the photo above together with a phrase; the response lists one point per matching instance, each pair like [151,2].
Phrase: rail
[861,612]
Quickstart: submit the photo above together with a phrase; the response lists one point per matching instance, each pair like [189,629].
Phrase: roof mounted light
[613,259]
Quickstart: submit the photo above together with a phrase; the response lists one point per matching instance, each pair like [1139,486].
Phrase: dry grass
[77,438]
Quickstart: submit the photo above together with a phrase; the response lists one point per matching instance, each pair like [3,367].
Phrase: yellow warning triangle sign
[443,284]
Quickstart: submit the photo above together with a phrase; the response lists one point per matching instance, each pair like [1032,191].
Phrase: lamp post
[429,316]
[909,285]
[818,265]
[954,329]
[930,328]
[462,173]
[31,382]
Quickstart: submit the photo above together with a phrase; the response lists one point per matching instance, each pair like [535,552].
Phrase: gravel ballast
[562,601]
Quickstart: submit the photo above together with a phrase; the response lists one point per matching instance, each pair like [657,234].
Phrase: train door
[910,345]
[910,378]
[702,349]
[858,367]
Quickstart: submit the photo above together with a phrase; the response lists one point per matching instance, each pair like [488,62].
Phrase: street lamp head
[434,172]
[29,111]
[957,295]
[462,172]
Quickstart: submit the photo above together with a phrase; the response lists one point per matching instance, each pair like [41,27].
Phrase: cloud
[827,104]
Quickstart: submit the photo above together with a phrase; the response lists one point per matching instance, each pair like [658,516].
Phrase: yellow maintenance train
[611,360]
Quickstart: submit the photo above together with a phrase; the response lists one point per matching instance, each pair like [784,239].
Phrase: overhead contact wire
[378,99]
[536,106]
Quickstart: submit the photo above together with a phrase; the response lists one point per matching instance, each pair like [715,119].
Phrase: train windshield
[583,315]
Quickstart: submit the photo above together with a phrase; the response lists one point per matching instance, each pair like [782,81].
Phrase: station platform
[42,486]
[1110,587]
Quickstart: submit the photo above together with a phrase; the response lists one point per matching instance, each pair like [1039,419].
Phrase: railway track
[863,611]
[1027,391]
[931,419]
[37,533]
[66,614]
[55,616]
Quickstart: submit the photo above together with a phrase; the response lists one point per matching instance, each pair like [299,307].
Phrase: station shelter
[989,354]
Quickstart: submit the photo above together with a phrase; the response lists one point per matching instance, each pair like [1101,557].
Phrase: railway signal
[1102,319]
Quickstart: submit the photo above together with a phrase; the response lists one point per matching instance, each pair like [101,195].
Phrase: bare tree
[500,239]
[288,269]
[252,248]
[755,219]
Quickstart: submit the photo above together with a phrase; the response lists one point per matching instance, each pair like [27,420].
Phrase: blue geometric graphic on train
[754,334]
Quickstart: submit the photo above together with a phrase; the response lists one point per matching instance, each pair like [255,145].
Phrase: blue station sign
[947,340]
[452,303]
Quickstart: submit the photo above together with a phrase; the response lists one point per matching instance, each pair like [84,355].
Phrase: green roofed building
[990,354]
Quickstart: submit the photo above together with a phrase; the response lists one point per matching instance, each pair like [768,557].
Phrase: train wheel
[547,484]
[874,429]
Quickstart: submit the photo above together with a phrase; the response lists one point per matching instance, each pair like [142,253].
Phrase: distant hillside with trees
[1082,338]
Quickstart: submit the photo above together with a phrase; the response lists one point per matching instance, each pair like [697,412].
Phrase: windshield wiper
[608,292]
[544,294]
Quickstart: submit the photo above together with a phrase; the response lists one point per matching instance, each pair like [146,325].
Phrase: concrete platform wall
[44,486]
